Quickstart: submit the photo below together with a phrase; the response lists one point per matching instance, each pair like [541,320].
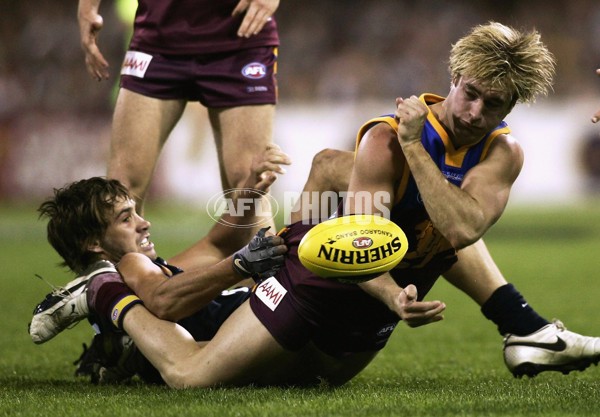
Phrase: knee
[326,157]
[178,376]
[331,168]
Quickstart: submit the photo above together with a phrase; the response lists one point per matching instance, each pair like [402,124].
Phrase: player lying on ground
[93,223]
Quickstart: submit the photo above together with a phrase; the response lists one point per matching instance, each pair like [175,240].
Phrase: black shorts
[298,307]
[228,79]
[204,324]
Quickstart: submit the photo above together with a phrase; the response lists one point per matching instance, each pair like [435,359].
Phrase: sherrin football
[353,248]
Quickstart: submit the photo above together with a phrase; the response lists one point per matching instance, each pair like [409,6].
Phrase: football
[353,248]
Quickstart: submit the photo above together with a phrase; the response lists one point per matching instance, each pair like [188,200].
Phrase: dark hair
[79,215]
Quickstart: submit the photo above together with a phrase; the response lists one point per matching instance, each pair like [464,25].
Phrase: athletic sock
[110,298]
[508,309]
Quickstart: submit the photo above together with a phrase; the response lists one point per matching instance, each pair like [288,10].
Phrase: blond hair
[509,59]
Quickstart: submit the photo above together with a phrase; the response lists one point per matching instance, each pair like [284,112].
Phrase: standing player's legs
[141,126]
[241,133]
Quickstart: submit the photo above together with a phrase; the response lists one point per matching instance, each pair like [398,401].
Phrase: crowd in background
[330,50]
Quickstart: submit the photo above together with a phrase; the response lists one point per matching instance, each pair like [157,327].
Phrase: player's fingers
[272,161]
[259,21]
[266,180]
[275,240]
[416,320]
[269,165]
[428,308]
[253,21]
[240,7]
[411,292]
[276,155]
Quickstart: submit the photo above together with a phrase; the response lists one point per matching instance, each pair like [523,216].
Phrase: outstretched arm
[187,292]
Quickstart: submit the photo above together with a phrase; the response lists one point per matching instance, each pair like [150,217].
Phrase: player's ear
[94,246]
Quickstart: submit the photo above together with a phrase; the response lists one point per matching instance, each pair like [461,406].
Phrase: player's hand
[418,313]
[265,168]
[90,24]
[410,114]
[596,115]
[258,13]
[262,257]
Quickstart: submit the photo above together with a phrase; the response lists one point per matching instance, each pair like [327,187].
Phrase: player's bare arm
[90,24]
[489,182]
[181,295]
[178,296]
[464,214]
[377,167]
[258,12]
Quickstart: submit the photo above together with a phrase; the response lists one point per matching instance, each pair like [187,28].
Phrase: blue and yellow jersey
[429,254]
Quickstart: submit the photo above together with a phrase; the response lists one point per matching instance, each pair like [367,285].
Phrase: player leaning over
[450,163]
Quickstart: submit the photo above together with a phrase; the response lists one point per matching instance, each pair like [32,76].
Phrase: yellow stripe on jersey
[121,306]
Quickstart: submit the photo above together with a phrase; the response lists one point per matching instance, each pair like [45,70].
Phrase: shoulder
[136,260]
[380,130]
[506,154]
[379,151]
[506,143]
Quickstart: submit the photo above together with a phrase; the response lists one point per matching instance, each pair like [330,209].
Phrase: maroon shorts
[228,79]
[298,307]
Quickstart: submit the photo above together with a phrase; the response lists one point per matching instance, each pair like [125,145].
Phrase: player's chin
[148,250]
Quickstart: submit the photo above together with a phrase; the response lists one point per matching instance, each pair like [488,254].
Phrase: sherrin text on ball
[353,248]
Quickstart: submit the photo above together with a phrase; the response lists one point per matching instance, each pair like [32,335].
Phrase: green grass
[451,368]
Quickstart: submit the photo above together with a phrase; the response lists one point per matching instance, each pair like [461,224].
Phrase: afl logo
[254,70]
[362,242]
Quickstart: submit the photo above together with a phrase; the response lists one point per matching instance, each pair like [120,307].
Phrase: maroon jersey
[193,27]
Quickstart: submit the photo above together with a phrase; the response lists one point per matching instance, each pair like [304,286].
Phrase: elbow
[465,234]
[462,240]
[163,308]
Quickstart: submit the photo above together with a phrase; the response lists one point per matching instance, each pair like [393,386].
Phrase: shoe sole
[74,290]
[532,369]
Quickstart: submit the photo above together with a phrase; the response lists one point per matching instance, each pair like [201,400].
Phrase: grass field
[452,368]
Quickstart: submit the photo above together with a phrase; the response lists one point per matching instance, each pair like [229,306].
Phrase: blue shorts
[298,307]
[230,79]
